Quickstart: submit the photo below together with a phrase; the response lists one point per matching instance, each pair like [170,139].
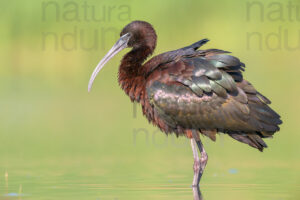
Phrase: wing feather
[206,91]
[203,101]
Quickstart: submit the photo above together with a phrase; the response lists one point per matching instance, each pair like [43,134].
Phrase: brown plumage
[190,91]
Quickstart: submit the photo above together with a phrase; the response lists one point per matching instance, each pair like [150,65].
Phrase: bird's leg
[197,193]
[196,163]
[203,159]
[199,163]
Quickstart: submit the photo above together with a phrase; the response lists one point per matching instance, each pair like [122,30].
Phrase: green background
[60,142]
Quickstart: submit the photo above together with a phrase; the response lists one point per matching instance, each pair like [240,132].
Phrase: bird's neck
[132,74]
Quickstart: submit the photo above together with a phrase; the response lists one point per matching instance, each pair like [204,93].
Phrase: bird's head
[135,35]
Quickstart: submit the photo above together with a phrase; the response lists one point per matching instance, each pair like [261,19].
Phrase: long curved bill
[119,46]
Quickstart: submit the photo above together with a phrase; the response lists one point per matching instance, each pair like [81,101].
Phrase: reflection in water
[62,187]
[197,193]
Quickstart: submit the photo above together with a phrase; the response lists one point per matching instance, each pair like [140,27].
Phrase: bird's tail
[263,118]
[253,140]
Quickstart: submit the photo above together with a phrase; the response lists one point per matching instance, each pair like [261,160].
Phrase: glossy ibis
[190,91]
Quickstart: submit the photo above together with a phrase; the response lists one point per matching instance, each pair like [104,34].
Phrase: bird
[191,92]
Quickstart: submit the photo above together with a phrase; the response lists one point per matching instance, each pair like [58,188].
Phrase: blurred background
[60,142]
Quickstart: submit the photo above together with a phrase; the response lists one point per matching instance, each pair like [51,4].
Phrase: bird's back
[190,89]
